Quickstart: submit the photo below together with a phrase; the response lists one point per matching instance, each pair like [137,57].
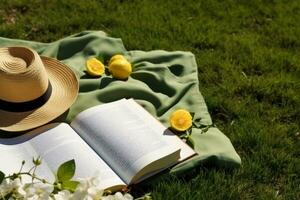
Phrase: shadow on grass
[208,166]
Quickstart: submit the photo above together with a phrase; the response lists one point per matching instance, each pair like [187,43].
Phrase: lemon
[181,120]
[120,68]
[116,57]
[94,67]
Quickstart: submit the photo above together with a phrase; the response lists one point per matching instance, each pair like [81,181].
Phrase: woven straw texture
[24,77]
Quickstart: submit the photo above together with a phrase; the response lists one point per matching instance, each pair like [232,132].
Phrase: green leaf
[190,142]
[2,176]
[145,197]
[70,185]
[66,171]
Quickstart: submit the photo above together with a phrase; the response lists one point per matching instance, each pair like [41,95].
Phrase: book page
[12,154]
[58,143]
[185,150]
[121,138]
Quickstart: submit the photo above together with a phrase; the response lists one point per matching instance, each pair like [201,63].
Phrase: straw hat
[33,90]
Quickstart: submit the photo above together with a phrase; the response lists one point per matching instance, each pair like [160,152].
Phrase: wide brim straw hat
[34,90]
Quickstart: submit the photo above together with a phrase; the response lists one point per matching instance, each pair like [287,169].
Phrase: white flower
[63,195]
[118,196]
[11,186]
[128,196]
[5,188]
[88,189]
[38,191]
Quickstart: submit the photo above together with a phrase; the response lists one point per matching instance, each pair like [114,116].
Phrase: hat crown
[23,76]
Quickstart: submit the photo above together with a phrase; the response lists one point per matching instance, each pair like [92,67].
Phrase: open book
[120,141]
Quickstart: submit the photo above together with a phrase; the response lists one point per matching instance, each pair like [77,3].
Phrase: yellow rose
[181,120]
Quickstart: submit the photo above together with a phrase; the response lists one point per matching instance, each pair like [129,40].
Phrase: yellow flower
[181,120]
[94,67]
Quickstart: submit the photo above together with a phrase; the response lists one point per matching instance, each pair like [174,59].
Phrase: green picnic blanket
[161,81]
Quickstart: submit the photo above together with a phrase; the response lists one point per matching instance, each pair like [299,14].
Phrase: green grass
[248,53]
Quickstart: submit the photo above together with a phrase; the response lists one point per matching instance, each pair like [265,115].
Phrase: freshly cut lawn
[248,53]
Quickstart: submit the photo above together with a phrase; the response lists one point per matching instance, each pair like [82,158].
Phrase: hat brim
[64,92]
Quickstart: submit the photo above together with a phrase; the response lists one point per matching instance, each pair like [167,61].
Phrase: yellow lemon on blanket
[120,69]
[116,57]
[94,67]
[181,120]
